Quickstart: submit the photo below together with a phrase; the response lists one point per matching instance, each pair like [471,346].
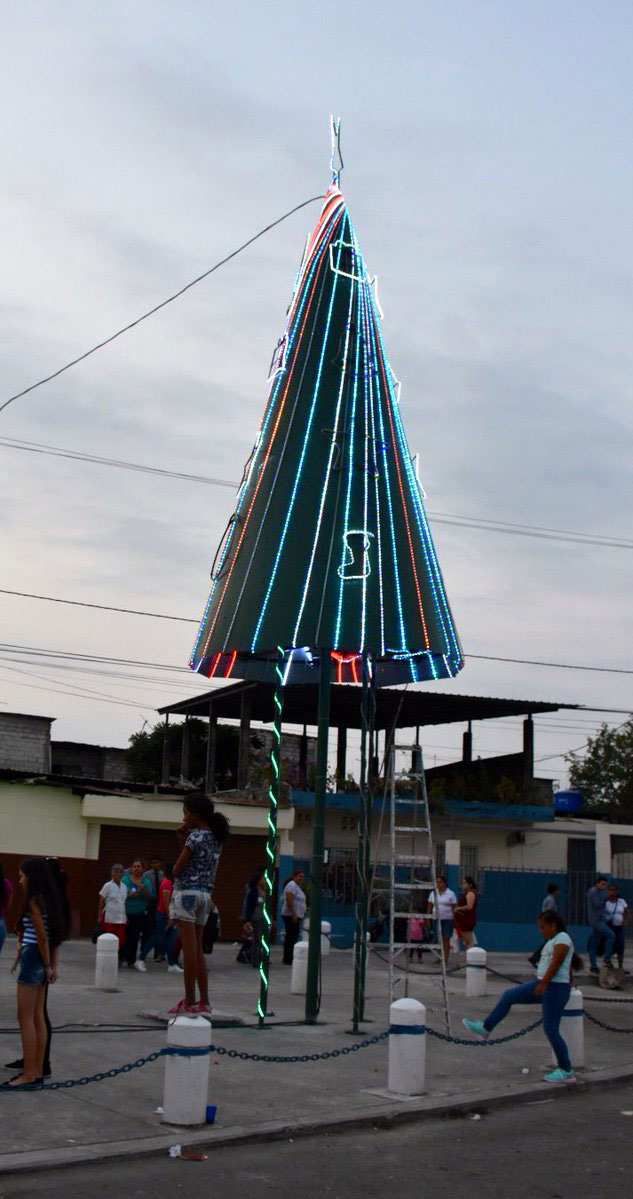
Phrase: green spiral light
[271,843]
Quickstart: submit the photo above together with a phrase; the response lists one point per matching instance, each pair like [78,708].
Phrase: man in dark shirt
[596,901]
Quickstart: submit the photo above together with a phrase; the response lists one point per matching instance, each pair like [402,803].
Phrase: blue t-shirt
[198,873]
[545,961]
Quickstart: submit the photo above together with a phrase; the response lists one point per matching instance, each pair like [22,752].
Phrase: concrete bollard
[187,1078]
[107,962]
[572,1028]
[326,932]
[476,973]
[407,1047]
[299,975]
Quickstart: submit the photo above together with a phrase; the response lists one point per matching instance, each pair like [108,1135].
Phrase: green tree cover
[145,753]
[604,773]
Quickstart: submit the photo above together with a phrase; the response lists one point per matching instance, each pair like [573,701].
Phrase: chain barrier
[282,1059]
[609,1027]
[513,1036]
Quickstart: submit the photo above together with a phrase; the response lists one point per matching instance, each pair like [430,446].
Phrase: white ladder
[407,880]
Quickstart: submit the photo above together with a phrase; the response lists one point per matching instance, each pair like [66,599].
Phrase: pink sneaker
[204,1009]
[182,1008]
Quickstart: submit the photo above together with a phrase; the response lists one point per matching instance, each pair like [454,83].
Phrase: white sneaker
[175,969]
[140,966]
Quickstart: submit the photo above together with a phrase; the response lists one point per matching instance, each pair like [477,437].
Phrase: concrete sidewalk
[118,1117]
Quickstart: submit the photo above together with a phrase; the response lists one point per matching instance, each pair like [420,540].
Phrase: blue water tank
[567,801]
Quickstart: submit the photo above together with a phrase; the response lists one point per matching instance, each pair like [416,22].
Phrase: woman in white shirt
[616,914]
[551,988]
[442,909]
[293,911]
[112,897]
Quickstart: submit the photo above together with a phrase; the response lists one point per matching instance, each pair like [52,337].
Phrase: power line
[441,518]
[157,307]
[190,620]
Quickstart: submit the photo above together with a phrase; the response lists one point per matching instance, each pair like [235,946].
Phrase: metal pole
[360,946]
[318,838]
[271,843]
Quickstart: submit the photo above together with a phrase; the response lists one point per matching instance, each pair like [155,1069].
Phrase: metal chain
[609,1027]
[513,1036]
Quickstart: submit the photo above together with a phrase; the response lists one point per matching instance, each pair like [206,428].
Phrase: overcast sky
[487,153]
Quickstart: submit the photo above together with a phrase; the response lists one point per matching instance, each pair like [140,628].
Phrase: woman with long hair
[41,929]
[551,988]
[204,831]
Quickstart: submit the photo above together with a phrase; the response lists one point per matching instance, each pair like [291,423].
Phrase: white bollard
[326,932]
[572,1028]
[476,972]
[187,1078]
[299,976]
[107,962]
[407,1047]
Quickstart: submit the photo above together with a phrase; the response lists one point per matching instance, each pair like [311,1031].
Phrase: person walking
[551,989]
[596,903]
[6,895]
[205,832]
[617,914]
[111,914]
[139,894]
[443,907]
[293,911]
[41,929]
[465,913]
[253,914]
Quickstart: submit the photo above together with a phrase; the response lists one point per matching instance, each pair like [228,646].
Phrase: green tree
[604,773]
[145,753]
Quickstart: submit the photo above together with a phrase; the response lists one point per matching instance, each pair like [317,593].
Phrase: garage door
[242,857]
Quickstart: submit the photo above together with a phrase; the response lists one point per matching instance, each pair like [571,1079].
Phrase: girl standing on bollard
[552,988]
[41,929]
[194,875]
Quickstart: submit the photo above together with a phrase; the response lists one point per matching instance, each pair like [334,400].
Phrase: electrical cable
[542,533]
[191,620]
[157,307]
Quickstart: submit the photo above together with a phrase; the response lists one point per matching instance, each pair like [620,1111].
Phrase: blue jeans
[554,998]
[601,930]
[162,939]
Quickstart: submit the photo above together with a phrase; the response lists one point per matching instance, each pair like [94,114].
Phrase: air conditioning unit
[516,838]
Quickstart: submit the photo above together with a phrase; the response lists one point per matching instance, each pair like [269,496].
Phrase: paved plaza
[119,1116]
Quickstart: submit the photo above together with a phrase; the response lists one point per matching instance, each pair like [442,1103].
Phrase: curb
[383,1116]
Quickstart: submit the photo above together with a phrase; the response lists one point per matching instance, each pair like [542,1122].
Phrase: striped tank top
[29,935]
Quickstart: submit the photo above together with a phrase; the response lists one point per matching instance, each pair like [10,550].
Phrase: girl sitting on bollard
[552,989]
[194,872]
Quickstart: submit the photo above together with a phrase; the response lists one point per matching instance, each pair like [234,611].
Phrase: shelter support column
[318,839]
[467,744]
[165,767]
[452,854]
[528,749]
[245,741]
[341,755]
[212,745]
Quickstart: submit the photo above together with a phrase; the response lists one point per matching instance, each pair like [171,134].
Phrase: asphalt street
[572,1149]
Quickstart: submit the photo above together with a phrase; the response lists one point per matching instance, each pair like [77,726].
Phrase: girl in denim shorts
[40,931]
[204,830]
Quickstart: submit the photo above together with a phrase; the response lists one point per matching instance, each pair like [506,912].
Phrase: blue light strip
[433,569]
[371,341]
[328,469]
[302,456]
[349,444]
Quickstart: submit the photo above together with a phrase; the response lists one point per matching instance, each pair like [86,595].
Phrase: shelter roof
[402,707]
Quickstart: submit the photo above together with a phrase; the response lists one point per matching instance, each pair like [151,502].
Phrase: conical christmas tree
[329,546]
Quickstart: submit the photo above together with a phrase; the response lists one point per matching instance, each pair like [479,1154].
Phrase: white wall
[39,820]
